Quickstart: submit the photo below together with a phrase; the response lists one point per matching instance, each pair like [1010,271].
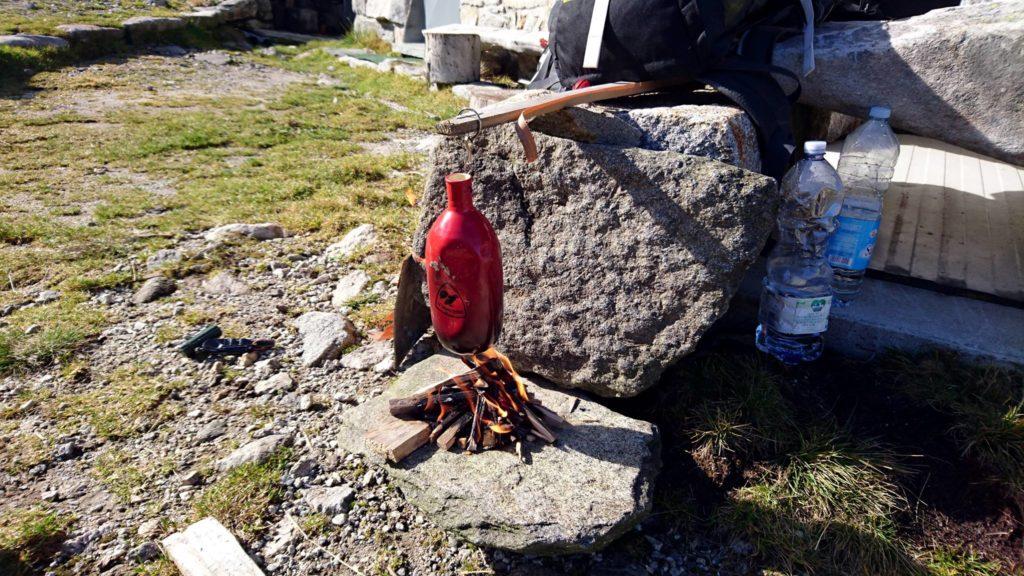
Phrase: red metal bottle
[464,278]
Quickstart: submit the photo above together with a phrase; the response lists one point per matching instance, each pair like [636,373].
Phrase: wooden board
[953,217]
[395,439]
[206,548]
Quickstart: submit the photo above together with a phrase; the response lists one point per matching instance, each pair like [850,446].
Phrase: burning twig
[484,408]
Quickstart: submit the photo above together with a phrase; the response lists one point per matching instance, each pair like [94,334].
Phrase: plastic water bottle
[866,167]
[797,291]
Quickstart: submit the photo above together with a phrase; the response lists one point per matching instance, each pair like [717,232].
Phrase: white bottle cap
[880,112]
[814,147]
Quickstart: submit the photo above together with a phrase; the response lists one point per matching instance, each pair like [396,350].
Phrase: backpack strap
[768,106]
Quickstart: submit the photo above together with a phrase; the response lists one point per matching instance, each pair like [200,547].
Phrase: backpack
[724,43]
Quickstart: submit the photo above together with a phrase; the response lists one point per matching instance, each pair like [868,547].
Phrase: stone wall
[529,15]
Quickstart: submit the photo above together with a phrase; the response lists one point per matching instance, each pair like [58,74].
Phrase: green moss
[950,562]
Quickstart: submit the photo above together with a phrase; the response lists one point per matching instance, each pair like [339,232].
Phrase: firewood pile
[485,408]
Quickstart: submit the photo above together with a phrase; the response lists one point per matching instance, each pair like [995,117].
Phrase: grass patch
[28,537]
[984,406]
[121,474]
[830,509]
[129,401]
[21,450]
[949,562]
[240,499]
[65,324]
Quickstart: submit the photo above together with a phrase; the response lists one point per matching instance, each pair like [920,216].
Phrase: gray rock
[149,528]
[145,552]
[330,501]
[264,231]
[255,451]
[215,57]
[360,237]
[211,430]
[111,557]
[33,329]
[349,287]
[375,355]
[304,468]
[32,41]
[233,10]
[67,451]
[90,33]
[616,260]
[282,382]
[953,74]
[284,534]
[162,258]
[156,287]
[577,495]
[224,283]
[47,296]
[324,336]
[193,478]
[395,11]
[143,29]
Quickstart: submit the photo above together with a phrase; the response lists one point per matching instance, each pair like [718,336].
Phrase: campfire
[485,408]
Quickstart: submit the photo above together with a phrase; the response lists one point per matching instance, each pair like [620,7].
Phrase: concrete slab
[889,315]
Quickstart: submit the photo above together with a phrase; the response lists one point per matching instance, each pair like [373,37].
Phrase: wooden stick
[417,407]
[506,112]
[448,438]
[549,416]
[445,423]
[538,428]
[472,445]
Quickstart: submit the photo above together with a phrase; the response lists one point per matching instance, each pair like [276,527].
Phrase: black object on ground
[207,343]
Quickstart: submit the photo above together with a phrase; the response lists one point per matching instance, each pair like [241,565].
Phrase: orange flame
[491,354]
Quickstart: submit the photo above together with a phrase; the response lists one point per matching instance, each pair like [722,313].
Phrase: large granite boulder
[953,74]
[576,495]
[616,259]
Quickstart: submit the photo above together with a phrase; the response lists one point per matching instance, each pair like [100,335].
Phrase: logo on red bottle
[449,302]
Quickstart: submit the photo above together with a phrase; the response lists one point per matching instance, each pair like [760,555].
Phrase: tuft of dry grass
[240,499]
[28,537]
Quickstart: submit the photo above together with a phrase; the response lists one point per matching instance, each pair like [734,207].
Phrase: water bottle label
[797,316]
[851,244]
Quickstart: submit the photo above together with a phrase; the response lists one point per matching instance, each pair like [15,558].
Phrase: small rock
[33,329]
[50,495]
[356,239]
[264,231]
[156,287]
[212,429]
[265,368]
[306,403]
[281,382]
[162,258]
[107,298]
[324,336]
[193,478]
[330,501]
[149,528]
[145,552]
[33,41]
[67,451]
[369,356]
[349,287]
[224,283]
[255,451]
[304,468]
[248,359]
[339,520]
[47,296]
[285,534]
[111,557]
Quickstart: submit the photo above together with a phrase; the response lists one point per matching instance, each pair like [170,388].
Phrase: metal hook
[468,140]
[479,120]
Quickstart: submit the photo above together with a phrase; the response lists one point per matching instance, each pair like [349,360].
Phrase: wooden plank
[891,202]
[977,241]
[928,237]
[953,248]
[901,248]
[395,439]
[1004,265]
[206,548]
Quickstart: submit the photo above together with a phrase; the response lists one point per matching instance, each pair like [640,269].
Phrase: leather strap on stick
[523,111]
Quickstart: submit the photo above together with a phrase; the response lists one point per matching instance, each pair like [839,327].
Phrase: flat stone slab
[576,495]
[32,41]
